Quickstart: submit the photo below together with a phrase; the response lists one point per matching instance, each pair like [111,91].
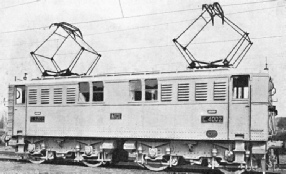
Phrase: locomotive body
[213,117]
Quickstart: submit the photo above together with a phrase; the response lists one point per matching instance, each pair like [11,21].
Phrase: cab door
[259,108]
[239,107]
[19,121]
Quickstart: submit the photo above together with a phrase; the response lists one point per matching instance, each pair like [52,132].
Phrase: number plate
[212,119]
[115,116]
[37,119]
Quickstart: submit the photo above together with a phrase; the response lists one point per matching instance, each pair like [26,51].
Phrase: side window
[135,88]
[240,87]
[83,92]
[97,91]
[20,94]
[151,89]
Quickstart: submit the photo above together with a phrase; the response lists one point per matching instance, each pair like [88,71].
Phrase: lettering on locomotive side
[37,119]
[212,119]
[115,116]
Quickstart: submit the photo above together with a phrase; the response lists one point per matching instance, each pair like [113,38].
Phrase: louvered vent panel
[219,91]
[10,111]
[71,95]
[201,91]
[183,92]
[166,92]
[11,96]
[45,96]
[32,96]
[58,95]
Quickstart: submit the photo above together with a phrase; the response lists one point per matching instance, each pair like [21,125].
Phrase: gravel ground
[20,167]
[7,167]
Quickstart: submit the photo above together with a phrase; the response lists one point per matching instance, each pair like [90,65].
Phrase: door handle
[247,106]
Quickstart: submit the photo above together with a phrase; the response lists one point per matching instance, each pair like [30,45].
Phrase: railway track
[9,155]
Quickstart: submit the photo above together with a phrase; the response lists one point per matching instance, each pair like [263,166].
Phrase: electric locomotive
[211,115]
[158,119]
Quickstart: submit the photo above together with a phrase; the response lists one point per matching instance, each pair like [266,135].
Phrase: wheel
[92,163]
[231,171]
[36,158]
[158,165]
[155,166]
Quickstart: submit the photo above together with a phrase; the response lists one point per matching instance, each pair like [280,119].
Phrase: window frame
[97,91]
[132,95]
[80,94]
[243,89]
[24,88]
[156,93]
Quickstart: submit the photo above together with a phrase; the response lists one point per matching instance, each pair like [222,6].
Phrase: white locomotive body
[213,117]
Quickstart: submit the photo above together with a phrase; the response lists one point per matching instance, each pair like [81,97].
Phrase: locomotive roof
[198,73]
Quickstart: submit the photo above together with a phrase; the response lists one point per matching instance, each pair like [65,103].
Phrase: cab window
[151,89]
[135,87]
[20,94]
[84,92]
[240,89]
[97,91]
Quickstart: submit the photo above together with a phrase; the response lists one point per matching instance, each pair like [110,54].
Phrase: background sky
[136,35]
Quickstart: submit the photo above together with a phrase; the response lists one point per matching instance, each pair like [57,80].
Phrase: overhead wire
[146,26]
[26,3]
[164,24]
[157,46]
[247,3]
[134,16]
[189,20]
[174,11]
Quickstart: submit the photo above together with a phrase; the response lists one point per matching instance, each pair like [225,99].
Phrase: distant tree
[2,122]
[282,123]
